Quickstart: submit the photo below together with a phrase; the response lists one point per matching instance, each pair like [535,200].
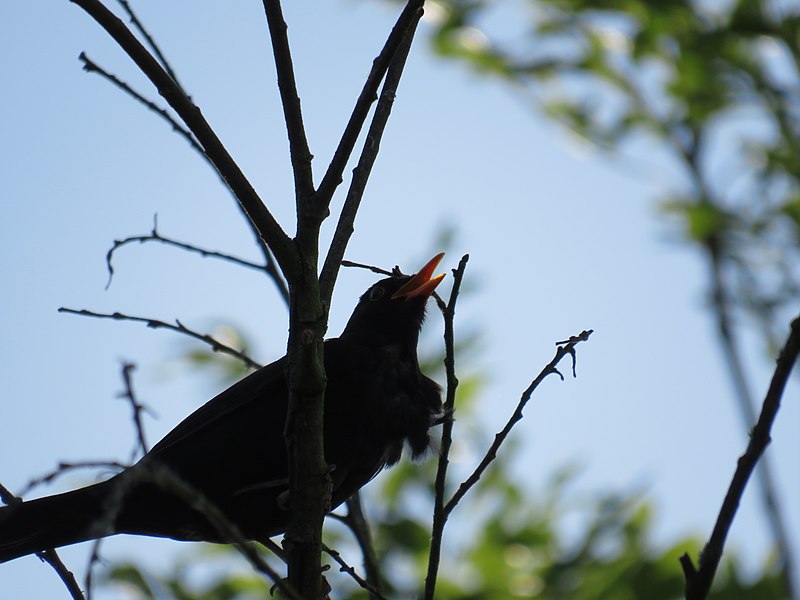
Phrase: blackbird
[232,452]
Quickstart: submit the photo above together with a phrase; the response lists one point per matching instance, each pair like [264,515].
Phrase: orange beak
[421,284]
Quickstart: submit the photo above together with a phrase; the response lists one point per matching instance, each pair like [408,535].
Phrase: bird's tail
[55,521]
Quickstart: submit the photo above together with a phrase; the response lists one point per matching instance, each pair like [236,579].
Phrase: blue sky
[561,239]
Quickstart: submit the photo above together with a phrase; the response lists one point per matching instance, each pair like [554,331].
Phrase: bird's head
[392,310]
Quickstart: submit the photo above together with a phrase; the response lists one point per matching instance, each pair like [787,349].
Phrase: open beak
[421,284]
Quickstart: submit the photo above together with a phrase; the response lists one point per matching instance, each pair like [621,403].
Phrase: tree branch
[216,346]
[439,514]
[151,42]
[309,475]
[293,116]
[566,347]
[699,580]
[155,236]
[378,270]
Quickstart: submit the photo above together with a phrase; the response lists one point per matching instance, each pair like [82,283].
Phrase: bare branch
[500,437]
[439,513]
[92,67]
[293,115]
[51,557]
[699,580]
[345,224]
[216,345]
[155,236]
[309,476]
[378,270]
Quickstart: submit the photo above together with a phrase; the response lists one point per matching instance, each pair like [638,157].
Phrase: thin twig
[378,270]
[699,580]
[290,100]
[564,349]
[50,556]
[346,568]
[151,42]
[216,345]
[136,407]
[347,217]
[439,514]
[155,236]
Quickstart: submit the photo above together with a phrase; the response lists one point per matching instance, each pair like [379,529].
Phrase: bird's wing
[267,385]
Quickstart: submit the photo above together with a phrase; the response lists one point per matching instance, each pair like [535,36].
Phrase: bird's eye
[376,293]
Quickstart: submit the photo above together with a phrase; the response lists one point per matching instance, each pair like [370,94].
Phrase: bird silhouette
[231,451]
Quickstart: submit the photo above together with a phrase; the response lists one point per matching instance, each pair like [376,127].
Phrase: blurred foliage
[716,85]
